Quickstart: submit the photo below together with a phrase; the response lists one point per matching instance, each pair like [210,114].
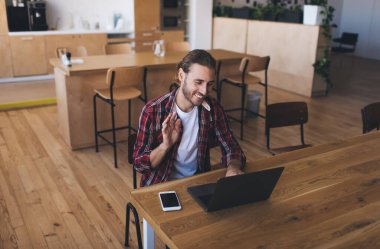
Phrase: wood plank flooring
[52,197]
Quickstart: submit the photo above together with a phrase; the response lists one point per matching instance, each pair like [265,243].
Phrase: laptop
[236,190]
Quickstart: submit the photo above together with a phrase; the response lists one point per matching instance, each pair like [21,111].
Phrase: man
[175,129]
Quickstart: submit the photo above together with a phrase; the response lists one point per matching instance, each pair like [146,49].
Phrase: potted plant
[242,13]
[293,14]
[272,11]
[322,65]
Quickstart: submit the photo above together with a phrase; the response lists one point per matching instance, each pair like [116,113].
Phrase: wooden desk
[75,89]
[327,197]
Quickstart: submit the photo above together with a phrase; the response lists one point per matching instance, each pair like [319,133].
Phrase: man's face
[196,83]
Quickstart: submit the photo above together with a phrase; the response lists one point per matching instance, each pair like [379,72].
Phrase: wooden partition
[293,49]
[230,34]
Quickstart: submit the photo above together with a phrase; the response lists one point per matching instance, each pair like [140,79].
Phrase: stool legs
[113,134]
[129,116]
[113,128]
[243,90]
[137,223]
[95,124]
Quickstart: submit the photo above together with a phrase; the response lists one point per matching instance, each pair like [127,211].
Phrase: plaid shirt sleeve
[143,145]
[229,145]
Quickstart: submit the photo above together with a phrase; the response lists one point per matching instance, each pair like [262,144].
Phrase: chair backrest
[349,38]
[257,63]
[80,51]
[177,46]
[125,76]
[60,51]
[118,48]
[253,63]
[286,114]
[371,117]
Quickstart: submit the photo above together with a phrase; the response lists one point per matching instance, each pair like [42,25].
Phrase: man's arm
[232,155]
[170,133]
[147,158]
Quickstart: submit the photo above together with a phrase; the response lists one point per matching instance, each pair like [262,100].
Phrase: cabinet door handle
[147,43]
[26,38]
[147,34]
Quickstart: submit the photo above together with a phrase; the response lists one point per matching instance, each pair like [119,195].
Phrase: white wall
[67,13]
[363,17]
[200,13]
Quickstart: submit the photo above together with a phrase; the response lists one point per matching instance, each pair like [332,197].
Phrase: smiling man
[175,130]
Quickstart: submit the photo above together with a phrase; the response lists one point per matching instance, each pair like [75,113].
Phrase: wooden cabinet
[3,18]
[173,36]
[147,15]
[147,24]
[94,44]
[28,55]
[5,55]
[144,40]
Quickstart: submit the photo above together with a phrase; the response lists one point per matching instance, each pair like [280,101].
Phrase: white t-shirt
[185,163]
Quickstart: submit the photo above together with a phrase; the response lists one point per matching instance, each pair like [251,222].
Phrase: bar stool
[121,84]
[248,65]
[179,46]
[118,48]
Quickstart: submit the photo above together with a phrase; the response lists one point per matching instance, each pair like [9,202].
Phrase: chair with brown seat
[181,46]
[131,145]
[246,76]
[121,84]
[79,51]
[371,117]
[286,114]
[118,48]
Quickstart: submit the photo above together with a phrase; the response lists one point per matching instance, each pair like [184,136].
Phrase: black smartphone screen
[169,200]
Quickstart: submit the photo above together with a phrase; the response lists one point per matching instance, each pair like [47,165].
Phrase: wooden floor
[52,197]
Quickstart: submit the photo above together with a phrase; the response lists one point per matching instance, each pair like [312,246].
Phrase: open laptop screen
[236,190]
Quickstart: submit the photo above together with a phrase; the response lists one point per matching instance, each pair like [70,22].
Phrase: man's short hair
[197,56]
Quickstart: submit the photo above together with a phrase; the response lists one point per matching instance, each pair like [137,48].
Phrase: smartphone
[169,201]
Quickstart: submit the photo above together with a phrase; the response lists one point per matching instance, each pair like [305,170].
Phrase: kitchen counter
[69,32]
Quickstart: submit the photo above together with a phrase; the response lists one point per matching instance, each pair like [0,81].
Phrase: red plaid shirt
[149,136]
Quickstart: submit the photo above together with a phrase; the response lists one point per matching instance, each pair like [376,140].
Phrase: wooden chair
[130,207]
[371,117]
[286,114]
[181,46]
[61,51]
[248,66]
[118,48]
[80,51]
[121,84]
[131,145]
